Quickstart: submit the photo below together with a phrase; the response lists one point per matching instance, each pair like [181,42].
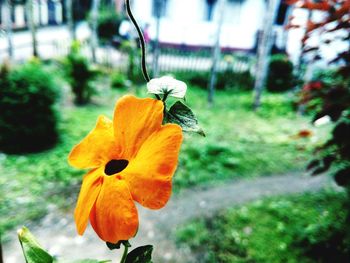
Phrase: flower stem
[142,43]
[126,248]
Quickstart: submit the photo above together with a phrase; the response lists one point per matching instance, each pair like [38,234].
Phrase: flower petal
[96,148]
[114,215]
[88,194]
[149,175]
[134,121]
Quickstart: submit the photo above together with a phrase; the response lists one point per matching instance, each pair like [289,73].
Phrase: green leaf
[140,255]
[182,115]
[86,261]
[32,250]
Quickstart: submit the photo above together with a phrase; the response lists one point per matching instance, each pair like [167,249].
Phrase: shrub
[225,80]
[133,73]
[280,76]
[235,80]
[28,119]
[79,75]
[195,78]
[108,24]
[119,81]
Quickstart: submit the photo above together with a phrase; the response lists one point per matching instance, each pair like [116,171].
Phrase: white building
[194,23]
[46,12]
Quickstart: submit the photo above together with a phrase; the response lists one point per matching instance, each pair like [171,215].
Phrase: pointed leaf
[86,261]
[182,115]
[140,255]
[32,250]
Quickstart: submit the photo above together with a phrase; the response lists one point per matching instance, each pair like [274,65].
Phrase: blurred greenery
[80,74]
[119,81]
[304,228]
[28,118]
[108,24]
[225,80]
[280,75]
[239,144]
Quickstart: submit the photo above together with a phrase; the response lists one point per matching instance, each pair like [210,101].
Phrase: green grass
[239,144]
[305,228]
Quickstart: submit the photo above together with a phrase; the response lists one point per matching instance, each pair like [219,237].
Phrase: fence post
[264,49]
[216,54]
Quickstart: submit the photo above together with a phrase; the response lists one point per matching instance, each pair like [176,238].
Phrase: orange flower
[131,159]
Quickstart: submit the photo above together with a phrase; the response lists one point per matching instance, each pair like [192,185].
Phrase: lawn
[305,228]
[239,144]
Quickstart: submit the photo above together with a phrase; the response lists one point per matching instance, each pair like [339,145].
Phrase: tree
[94,25]
[332,95]
[159,10]
[216,54]
[32,26]
[264,49]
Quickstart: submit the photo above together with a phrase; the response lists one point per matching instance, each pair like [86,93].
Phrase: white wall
[185,22]
[328,52]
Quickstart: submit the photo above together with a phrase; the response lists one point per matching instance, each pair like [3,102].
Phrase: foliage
[280,76]
[140,255]
[182,115]
[225,154]
[32,250]
[306,228]
[252,150]
[79,75]
[28,117]
[235,80]
[133,72]
[34,253]
[329,95]
[195,78]
[119,81]
[226,80]
[108,24]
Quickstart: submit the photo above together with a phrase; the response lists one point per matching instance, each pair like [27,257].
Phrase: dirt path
[57,231]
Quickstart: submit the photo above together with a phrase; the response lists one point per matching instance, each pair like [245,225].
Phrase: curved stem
[124,254]
[142,41]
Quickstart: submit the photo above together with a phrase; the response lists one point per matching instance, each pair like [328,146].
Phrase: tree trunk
[156,50]
[301,61]
[8,27]
[94,25]
[303,69]
[216,54]
[265,43]
[32,26]
[70,19]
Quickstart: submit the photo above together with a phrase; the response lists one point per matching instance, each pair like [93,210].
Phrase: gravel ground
[56,231]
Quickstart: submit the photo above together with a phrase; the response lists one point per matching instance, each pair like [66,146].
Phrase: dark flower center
[115,166]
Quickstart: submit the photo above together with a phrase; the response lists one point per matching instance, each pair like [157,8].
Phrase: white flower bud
[167,85]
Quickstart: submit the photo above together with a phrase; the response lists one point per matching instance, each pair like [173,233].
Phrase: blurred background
[268,81]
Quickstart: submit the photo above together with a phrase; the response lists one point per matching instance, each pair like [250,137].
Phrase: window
[282,13]
[210,9]
[159,8]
